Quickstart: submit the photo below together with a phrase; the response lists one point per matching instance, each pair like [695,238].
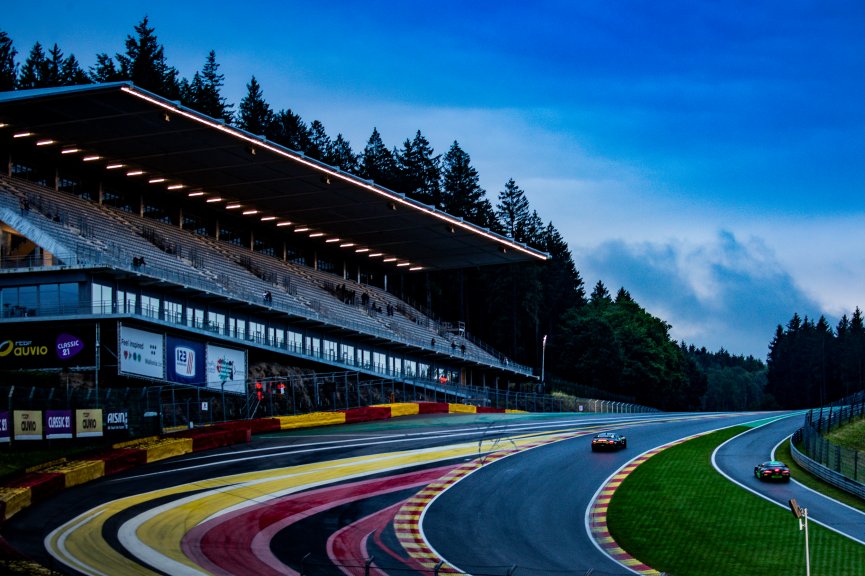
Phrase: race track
[476,493]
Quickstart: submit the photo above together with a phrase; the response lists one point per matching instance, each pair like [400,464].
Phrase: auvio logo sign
[184,361]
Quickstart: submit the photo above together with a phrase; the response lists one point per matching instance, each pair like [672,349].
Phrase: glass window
[237,328]
[173,312]
[215,322]
[329,347]
[49,298]
[348,354]
[295,341]
[101,298]
[256,331]
[68,294]
[150,306]
[194,317]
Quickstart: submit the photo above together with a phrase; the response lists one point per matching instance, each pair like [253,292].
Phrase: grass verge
[678,515]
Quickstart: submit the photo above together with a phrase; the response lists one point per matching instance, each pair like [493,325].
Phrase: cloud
[726,293]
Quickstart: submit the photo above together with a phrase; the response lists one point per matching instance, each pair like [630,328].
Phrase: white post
[807,557]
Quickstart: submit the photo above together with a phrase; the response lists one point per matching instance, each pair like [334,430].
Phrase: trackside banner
[226,369]
[141,353]
[185,363]
[88,423]
[58,424]
[27,424]
[5,428]
[42,346]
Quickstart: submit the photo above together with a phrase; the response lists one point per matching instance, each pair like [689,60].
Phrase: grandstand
[141,229]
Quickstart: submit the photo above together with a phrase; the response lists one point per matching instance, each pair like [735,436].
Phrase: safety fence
[840,465]
[151,409]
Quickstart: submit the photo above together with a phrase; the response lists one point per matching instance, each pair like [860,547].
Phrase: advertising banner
[185,361]
[46,346]
[27,424]
[88,423]
[226,369]
[141,353]
[5,428]
[117,420]
[58,424]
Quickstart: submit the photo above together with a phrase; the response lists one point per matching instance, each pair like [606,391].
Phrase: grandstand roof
[180,151]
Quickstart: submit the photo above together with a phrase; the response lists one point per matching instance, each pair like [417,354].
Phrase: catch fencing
[839,465]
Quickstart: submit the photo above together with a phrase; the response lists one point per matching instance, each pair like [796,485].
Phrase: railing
[839,465]
[87,257]
[153,408]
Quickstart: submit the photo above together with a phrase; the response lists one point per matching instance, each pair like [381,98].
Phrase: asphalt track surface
[757,445]
[326,501]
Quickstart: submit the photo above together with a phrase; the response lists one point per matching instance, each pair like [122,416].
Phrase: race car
[608,441]
[772,470]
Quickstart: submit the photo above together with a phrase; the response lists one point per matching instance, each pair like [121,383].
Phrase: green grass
[850,435]
[804,477]
[678,515]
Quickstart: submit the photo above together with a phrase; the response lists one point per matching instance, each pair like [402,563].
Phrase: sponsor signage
[58,424]
[5,428]
[141,353]
[27,424]
[46,346]
[117,420]
[185,361]
[88,423]
[226,369]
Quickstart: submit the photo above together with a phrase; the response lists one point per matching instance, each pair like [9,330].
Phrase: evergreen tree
[462,194]
[512,212]
[418,171]
[342,156]
[71,72]
[291,131]
[377,162]
[35,69]
[320,146]
[104,70]
[600,296]
[45,71]
[204,93]
[144,62]
[254,113]
[8,66]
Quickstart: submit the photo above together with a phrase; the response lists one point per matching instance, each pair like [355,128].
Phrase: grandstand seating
[66,225]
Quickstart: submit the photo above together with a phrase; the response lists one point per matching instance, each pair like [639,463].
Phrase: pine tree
[71,72]
[104,70]
[8,66]
[254,113]
[377,162]
[34,72]
[462,194]
[320,146]
[204,93]
[418,170]
[512,212]
[342,156]
[290,130]
[144,62]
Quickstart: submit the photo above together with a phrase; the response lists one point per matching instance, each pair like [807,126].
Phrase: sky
[709,157]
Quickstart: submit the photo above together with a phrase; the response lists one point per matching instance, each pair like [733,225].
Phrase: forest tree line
[607,345]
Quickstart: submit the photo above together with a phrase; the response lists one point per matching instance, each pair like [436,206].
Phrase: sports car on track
[608,441]
[772,470]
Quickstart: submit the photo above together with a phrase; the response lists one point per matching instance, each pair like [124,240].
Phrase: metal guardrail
[838,465]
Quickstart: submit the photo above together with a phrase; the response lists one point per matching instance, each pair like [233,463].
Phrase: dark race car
[772,470]
[608,441]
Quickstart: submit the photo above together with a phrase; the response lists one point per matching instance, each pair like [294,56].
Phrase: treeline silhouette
[609,346]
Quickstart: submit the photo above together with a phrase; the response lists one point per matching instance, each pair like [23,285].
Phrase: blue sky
[707,156]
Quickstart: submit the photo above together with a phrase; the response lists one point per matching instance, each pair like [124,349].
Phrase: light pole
[543,357]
